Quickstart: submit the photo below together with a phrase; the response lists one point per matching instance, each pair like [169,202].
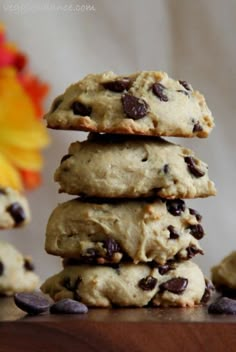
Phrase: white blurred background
[191,40]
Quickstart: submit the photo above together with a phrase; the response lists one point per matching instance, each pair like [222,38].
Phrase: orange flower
[22,134]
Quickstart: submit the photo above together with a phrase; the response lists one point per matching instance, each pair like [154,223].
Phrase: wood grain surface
[118,330]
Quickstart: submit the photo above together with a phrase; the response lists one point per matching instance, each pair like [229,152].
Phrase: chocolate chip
[1,268]
[196,231]
[175,285]
[173,233]
[80,109]
[192,167]
[197,127]
[163,269]
[223,305]
[90,256]
[196,213]
[2,191]
[175,206]
[208,290]
[31,303]
[185,85]
[135,108]
[65,157]
[17,212]
[28,265]
[118,85]
[166,168]
[183,92]
[148,283]
[68,306]
[192,251]
[157,89]
[111,246]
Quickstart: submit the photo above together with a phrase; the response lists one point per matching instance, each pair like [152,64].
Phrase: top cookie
[14,209]
[146,103]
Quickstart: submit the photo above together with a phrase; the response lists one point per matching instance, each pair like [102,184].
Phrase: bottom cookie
[16,271]
[125,285]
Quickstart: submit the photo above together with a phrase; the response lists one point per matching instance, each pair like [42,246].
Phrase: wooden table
[117,330]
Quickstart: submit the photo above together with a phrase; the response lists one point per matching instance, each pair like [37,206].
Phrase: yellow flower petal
[9,177]
[22,158]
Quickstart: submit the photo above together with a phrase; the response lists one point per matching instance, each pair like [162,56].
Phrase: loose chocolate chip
[183,92]
[196,213]
[173,233]
[31,303]
[197,127]
[68,306]
[2,191]
[118,85]
[17,212]
[192,167]
[185,85]
[80,109]
[28,265]
[157,89]
[135,108]
[192,251]
[166,168]
[208,290]
[1,268]
[111,246]
[175,285]
[65,157]
[196,231]
[223,305]
[175,206]
[148,283]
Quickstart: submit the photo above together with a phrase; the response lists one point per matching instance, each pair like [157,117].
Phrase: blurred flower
[22,134]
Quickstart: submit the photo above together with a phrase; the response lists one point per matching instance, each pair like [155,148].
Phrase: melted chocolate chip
[157,89]
[65,157]
[175,206]
[192,251]
[2,191]
[192,167]
[175,285]
[166,168]
[28,265]
[196,231]
[185,85]
[208,290]
[118,85]
[197,127]
[148,283]
[196,213]
[17,213]
[163,269]
[1,268]
[183,92]
[80,109]
[173,233]
[135,108]
[111,246]
[223,305]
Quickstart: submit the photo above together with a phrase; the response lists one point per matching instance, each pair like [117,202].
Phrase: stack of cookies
[128,238]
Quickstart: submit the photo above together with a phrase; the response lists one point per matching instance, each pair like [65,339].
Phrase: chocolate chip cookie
[146,103]
[116,166]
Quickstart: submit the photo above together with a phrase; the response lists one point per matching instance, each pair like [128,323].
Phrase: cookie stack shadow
[128,238]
